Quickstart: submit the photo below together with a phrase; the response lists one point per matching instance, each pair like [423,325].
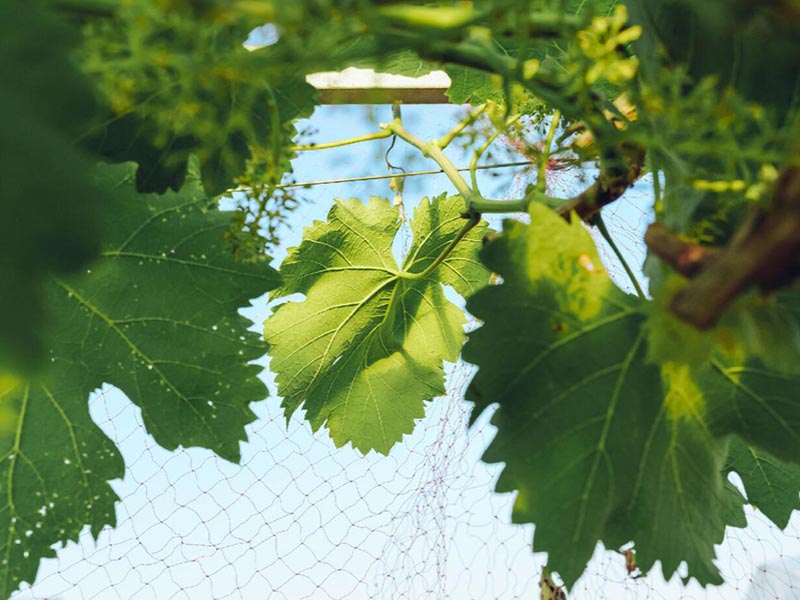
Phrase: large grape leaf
[750,385]
[155,315]
[680,503]
[772,485]
[50,209]
[158,315]
[364,349]
[599,444]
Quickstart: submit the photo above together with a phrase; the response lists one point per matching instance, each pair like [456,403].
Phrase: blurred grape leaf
[178,81]
[364,349]
[50,208]
[725,39]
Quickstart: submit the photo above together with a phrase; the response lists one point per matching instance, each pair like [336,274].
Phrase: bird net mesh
[301,519]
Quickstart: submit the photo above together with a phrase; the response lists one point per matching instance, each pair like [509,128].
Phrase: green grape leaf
[756,402]
[55,468]
[155,315]
[364,349]
[772,486]
[749,384]
[732,512]
[680,503]
[472,86]
[50,209]
[600,444]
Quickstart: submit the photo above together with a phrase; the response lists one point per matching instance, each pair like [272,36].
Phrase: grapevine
[619,417]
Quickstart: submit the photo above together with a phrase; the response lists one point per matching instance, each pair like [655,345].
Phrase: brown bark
[765,254]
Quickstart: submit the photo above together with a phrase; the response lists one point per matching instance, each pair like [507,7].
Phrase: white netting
[301,519]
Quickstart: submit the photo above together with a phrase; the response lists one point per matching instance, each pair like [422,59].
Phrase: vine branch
[686,258]
[619,172]
[764,253]
[433,151]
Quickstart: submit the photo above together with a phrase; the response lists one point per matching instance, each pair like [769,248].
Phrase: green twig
[474,219]
[541,178]
[500,206]
[601,226]
[375,135]
[476,154]
[444,141]
[516,205]
[434,152]
[658,204]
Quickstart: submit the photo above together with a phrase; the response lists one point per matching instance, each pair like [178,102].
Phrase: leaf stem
[541,178]
[597,220]
[444,141]
[375,135]
[500,206]
[658,205]
[476,154]
[473,220]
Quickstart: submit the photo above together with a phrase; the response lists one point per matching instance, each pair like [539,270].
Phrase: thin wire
[597,220]
[389,176]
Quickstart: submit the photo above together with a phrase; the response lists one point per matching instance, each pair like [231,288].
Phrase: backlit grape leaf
[772,485]
[600,445]
[50,209]
[364,349]
[155,315]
